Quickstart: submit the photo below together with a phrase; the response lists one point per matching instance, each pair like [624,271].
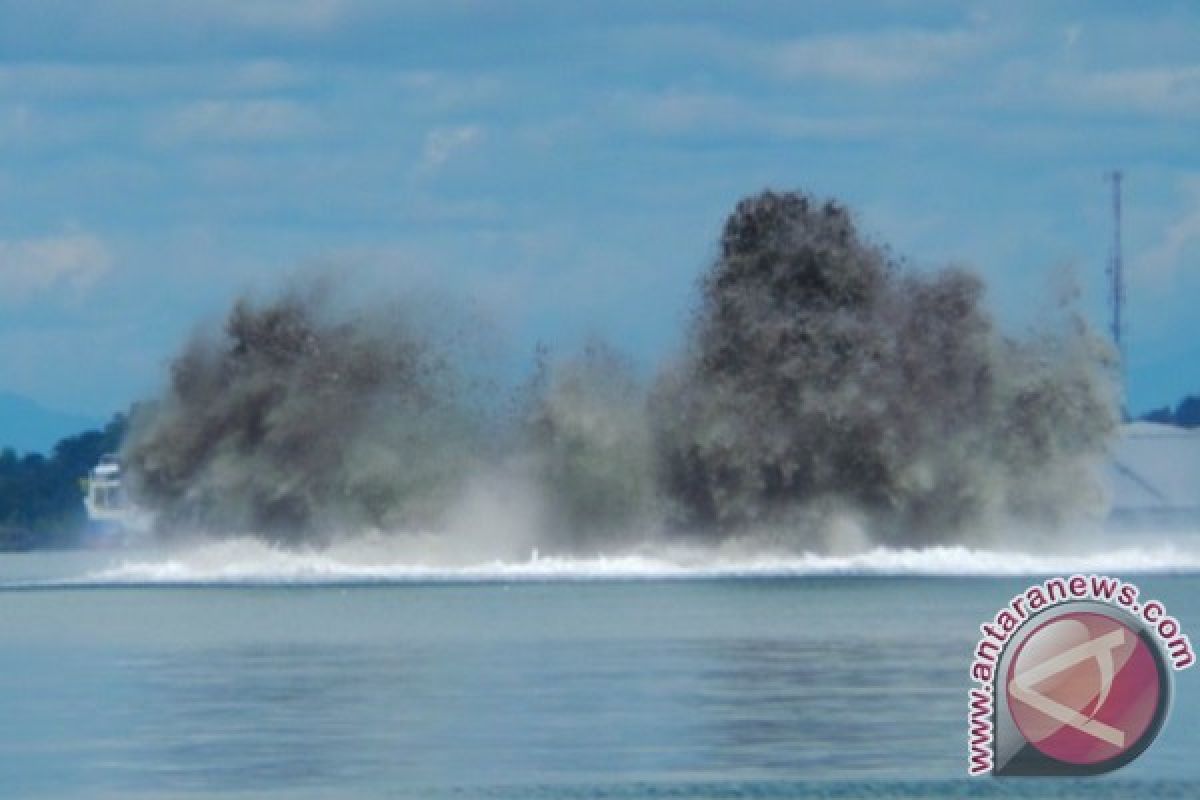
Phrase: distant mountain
[27,426]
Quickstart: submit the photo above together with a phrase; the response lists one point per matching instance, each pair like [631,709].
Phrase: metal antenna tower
[1116,270]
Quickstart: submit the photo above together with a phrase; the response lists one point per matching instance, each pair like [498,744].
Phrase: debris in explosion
[294,423]
[823,376]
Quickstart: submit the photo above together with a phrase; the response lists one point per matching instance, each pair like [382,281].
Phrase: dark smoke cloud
[824,377]
[821,378]
[298,420]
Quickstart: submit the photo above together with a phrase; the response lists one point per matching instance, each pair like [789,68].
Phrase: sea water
[150,676]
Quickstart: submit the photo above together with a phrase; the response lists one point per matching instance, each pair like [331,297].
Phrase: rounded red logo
[1084,688]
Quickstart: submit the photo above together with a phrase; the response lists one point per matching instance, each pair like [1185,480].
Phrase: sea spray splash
[585,433]
[298,419]
[415,558]
[822,378]
[828,398]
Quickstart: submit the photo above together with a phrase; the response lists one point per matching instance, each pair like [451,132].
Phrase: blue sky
[565,168]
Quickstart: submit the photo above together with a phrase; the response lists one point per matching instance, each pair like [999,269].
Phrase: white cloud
[72,79]
[1178,247]
[288,16]
[256,120]
[16,123]
[1071,35]
[883,57]
[683,111]
[688,113]
[293,14]
[1162,89]
[874,58]
[441,144]
[444,92]
[265,75]
[72,262]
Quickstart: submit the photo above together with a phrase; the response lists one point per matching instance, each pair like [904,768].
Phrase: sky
[564,169]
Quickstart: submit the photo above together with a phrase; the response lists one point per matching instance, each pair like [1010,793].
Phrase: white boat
[107,504]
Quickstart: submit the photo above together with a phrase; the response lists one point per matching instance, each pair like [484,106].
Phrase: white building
[1154,475]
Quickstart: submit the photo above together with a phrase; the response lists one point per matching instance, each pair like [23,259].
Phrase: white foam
[372,559]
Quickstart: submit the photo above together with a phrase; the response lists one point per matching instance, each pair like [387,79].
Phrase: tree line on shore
[1186,413]
[41,495]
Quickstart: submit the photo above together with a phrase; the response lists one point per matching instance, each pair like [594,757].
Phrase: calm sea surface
[821,686]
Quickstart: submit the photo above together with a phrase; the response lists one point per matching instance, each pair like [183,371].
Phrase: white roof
[1141,428]
[1155,467]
